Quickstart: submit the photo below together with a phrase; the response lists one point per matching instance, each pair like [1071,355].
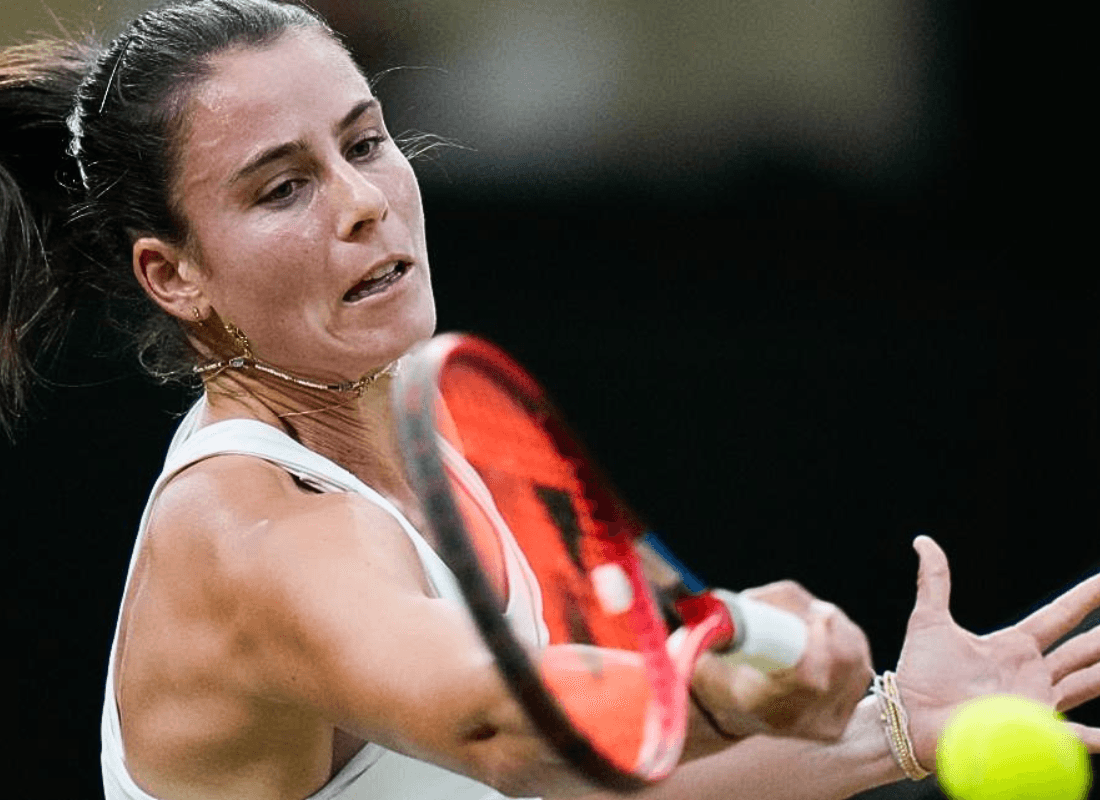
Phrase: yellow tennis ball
[1004,747]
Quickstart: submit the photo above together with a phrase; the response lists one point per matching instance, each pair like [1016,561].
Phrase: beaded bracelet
[896,722]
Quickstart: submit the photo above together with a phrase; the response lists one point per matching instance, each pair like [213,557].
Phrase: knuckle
[853,641]
[849,640]
[790,588]
[788,585]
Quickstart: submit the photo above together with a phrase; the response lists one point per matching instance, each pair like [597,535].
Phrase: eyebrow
[266,157]
[358,110]
[281,151]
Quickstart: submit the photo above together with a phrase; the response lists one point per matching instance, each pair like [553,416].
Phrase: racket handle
[766,637]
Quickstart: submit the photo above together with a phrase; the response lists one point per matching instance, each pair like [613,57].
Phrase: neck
[354,428]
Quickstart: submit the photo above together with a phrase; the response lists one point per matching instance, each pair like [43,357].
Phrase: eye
[282,192]
[365,147]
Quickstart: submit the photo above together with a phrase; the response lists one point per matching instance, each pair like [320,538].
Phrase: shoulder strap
[254,438]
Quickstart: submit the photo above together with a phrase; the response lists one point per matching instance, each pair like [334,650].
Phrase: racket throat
[707,614]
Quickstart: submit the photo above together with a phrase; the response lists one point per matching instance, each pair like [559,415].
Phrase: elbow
[499,758]
[519,763]
[512,777]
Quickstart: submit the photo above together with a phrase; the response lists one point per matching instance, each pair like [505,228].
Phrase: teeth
[383,271]
[374,280]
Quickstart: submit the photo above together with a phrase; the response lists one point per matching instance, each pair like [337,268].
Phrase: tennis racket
[523,517]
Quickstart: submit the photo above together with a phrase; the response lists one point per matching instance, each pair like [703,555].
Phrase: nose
[360,202]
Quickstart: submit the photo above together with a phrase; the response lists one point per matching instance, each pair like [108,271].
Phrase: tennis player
[223,170]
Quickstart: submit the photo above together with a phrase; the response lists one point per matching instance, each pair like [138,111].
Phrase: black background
[791,375]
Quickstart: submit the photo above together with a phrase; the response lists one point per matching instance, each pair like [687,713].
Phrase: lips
[377,280]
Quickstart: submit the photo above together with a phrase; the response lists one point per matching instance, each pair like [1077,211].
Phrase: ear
[169,276]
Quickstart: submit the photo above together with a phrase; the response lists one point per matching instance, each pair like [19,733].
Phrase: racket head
[603,689]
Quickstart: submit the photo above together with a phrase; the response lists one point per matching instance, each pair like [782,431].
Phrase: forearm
[772,768]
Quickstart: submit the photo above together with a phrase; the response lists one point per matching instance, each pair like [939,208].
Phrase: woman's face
[305,219]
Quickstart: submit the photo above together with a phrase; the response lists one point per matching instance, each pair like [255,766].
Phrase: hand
[943,665]
[814,699]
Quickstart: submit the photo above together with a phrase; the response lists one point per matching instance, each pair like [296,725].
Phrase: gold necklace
[249,361]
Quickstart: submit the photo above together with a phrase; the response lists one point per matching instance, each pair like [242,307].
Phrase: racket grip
[766,637]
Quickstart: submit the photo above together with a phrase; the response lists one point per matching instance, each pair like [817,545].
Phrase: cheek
[258,278]
[272,256]
[406,196]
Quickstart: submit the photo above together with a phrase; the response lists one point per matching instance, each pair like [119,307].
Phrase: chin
[419,327]
[389,346]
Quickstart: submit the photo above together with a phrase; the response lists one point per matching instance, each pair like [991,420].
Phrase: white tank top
[374,773]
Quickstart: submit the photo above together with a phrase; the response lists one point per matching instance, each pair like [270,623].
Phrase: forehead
[296,57]
[255,97]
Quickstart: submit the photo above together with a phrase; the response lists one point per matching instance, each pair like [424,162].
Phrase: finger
[845,655]
[815,666]
[786,594]
[1081,651]
[853,650]
[933,578]
[1077,688]
[1061,615]
[728,702]
[1088,735]
[858,678]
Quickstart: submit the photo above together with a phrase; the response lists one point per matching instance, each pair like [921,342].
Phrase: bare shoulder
[247,581]
[239,566]
[250,519]
[264,616]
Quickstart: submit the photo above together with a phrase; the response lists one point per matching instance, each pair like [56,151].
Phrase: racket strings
[538,492]
[604,659]
[483,523]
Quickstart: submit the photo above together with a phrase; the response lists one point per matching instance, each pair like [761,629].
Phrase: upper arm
[324,600]
[327,608]
[337,603]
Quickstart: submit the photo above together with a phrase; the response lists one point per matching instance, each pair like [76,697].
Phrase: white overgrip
[767,638]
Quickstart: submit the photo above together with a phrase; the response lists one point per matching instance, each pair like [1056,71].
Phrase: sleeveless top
[374,773]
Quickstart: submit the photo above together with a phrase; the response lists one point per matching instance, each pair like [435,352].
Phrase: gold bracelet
[896,722]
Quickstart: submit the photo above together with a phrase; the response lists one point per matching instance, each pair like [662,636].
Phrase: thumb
[933,578]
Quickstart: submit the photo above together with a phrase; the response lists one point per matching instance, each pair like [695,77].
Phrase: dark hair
[89,146]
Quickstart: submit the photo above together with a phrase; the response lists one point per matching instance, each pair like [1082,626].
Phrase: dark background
[791,372]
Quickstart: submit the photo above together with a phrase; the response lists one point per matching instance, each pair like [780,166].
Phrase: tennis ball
[1004,747]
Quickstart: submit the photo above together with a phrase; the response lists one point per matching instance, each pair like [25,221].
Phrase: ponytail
[39,267]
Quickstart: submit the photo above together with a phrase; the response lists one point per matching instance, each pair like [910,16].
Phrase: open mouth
[378,281]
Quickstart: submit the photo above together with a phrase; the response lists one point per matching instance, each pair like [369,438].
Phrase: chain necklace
[249,361]
[245,362]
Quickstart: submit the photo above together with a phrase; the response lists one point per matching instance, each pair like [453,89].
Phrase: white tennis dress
[374,773]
